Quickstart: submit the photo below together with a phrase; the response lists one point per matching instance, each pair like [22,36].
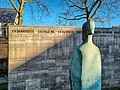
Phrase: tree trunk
[20,11]
[20,19]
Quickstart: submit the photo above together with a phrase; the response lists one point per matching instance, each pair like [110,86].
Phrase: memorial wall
[39,57]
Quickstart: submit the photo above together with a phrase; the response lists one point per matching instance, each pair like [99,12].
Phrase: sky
[51,20]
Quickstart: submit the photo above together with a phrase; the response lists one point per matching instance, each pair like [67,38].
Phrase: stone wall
[3,48]
[39,59]
[108,40]
[3,59]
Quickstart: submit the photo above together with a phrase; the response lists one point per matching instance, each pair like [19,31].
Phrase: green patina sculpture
[85,67]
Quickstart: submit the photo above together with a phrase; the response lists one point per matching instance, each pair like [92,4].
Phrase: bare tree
[34,6]
[97,10]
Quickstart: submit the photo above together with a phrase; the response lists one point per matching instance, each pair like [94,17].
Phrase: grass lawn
[3,86]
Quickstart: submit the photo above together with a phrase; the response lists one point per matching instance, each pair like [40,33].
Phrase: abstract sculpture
[85,67]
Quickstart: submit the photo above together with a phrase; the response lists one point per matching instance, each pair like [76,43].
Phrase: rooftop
[7,15]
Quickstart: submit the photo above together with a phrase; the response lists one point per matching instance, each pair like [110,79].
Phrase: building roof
[116,26]
[7,15]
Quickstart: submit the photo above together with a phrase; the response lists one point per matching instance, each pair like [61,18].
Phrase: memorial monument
[85,67]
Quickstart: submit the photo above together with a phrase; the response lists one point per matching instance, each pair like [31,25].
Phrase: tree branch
[32,13]
[76,5]
[22,6]
[13,4]
[80,15]
[94,4]
[19,1]
[101,1]
[86,7]
[72,18]
[98,20]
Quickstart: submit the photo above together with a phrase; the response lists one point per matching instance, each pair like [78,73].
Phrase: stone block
[33,84]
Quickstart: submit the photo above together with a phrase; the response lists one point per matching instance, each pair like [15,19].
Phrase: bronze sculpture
[85,67]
